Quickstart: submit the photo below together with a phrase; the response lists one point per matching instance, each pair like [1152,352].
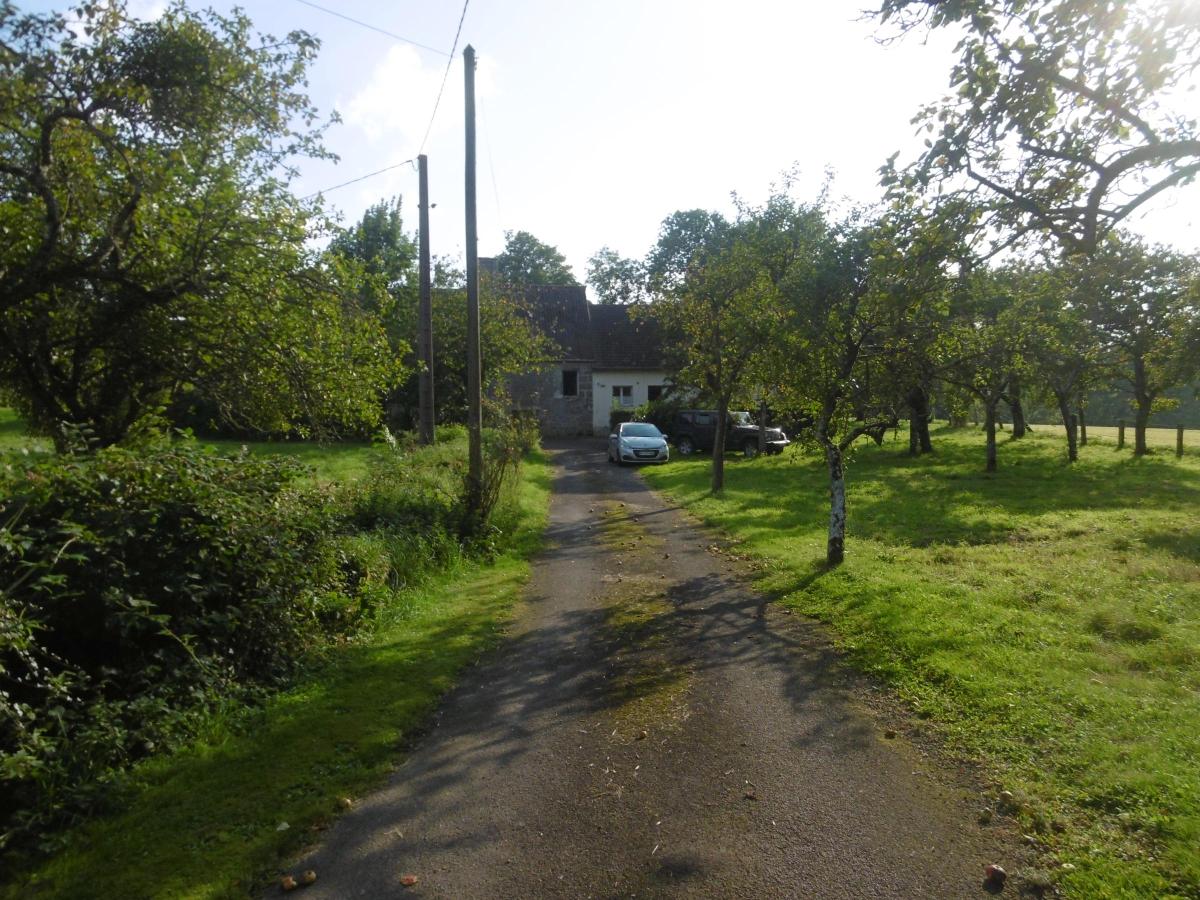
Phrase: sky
[599,118]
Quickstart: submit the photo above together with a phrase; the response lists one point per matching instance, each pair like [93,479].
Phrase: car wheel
[685,446]
[750,449]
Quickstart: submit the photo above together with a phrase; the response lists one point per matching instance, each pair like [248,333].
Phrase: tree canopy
[616,279]
[153,246]
[1062,117]
[526,260]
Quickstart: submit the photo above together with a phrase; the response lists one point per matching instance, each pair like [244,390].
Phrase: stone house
[606,359]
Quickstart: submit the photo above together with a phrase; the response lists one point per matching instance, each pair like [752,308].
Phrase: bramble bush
[141,590]
[138,589]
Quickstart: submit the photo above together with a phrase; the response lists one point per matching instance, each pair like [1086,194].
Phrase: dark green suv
[695,430]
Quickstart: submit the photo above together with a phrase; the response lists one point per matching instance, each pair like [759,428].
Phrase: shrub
[137,589]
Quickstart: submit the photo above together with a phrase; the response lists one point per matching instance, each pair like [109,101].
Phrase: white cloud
[397,101]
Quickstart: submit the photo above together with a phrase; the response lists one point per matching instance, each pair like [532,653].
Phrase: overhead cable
[445,75]
[390,34]
[360,178]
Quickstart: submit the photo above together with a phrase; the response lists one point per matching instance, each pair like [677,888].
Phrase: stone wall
[559,416]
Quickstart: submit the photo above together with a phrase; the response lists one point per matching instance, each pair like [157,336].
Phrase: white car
[635,442]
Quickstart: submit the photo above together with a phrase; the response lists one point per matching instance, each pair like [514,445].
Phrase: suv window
[704,418]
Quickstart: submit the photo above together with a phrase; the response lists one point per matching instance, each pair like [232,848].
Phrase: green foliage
[380,243]
[1061,117]
[616,279]
[143,591]
[526,260]
[511,344]
[139,588]
[152,248]
[201,823]
[1142,302]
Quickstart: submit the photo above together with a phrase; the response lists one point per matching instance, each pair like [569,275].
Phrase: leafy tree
[379,242]
[616,279]
[1065,347]
[1060,119]
[843,300]
[986,342]
[684,239]
[718,306]
[526,260]
[1143,300]
[152,246]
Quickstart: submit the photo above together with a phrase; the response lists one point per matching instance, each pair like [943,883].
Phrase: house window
[653,392]
[570,382]
[622,395]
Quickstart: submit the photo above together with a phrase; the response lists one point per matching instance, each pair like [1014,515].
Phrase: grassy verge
[1045,620]
[208,822]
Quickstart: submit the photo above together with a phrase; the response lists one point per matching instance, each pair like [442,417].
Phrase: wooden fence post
[1179,442]
[1121,435]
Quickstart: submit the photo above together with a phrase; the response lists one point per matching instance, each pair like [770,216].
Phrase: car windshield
[740,418]
[639,429]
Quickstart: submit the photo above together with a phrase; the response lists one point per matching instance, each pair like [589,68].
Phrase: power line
[361,178]
[445,75]
[390,34]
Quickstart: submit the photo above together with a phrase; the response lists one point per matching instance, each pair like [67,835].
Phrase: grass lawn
[209,822]
[331,462]
[13,437]
[1044,619]
[1107,434]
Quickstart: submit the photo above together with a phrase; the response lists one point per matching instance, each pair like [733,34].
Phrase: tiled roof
[561,312]
[604,335]
[623,341]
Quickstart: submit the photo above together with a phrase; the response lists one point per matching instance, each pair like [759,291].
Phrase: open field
[1044,620]
[1163,438]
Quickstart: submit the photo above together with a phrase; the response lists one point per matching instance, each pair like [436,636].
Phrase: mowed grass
[1107,435]
[1044,619]
[220,819]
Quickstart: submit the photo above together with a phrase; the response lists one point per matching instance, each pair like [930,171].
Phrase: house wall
[602,382]
[559,416]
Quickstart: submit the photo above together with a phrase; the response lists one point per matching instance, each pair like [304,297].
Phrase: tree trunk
[718,451]
[762,428]
[1064,407]
[989,426]
[835,549]
[1082,428]
[918,422]
[1144,400]
[1018,411]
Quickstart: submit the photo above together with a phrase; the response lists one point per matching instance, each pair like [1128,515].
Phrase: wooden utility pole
[474,379]
[425,317]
